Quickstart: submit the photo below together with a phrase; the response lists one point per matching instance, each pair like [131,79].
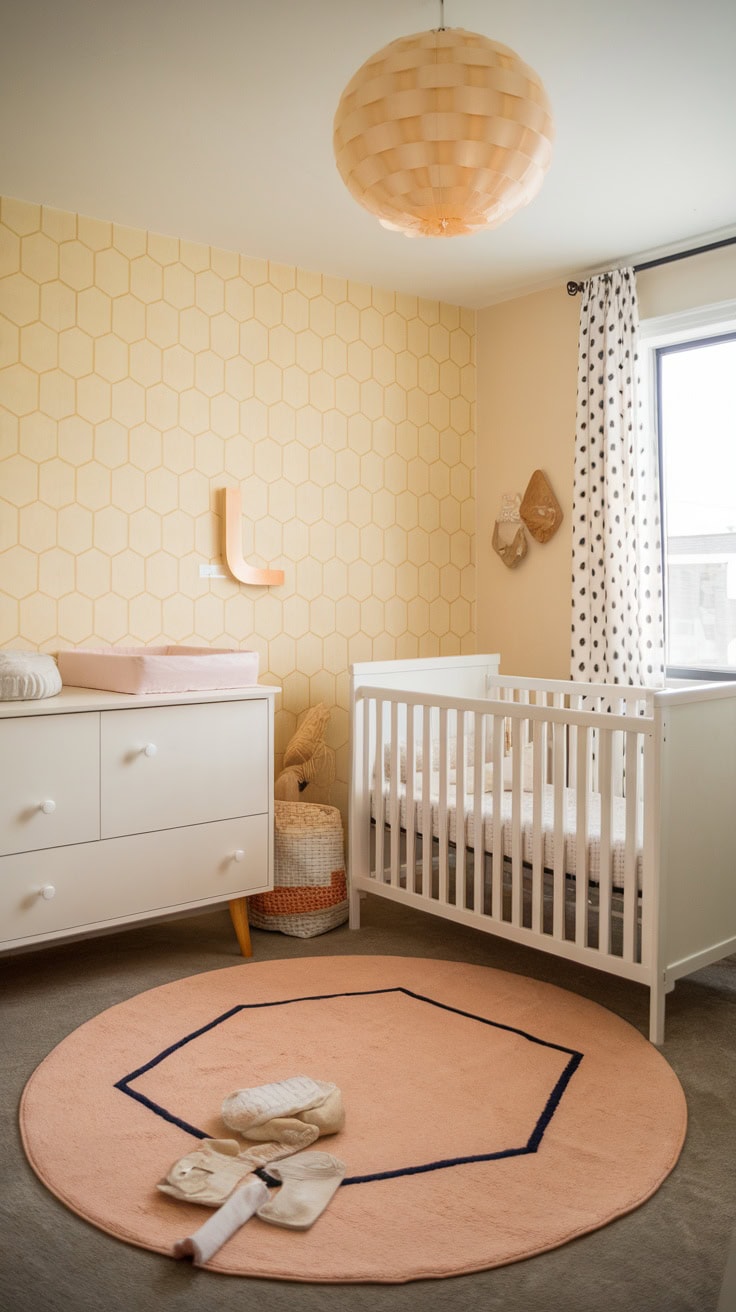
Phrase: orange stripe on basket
[290,900]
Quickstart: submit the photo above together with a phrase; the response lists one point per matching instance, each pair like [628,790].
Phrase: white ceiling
[212,120]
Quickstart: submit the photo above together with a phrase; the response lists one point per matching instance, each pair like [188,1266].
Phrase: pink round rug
[489,1117]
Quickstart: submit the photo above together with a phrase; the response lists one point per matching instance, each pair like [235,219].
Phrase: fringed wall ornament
[540,509]
[509,540]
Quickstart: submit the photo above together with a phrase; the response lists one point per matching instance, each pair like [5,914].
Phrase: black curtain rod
[574,287]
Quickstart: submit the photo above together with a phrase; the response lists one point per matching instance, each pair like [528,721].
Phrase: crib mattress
[549,839]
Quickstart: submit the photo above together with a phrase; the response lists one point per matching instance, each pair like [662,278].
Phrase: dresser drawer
[51,781]
[165,766]
[100,884]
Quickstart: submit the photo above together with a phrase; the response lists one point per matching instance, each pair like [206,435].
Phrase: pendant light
[443,133]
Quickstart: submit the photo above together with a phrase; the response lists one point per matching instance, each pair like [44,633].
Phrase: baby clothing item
[308,1182]
[211,1173]
[223,1223]
[292,1112]
[286,1116]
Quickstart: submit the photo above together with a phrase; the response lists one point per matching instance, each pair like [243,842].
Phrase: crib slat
[539,741]
[559,734]
[380,813]
[411,765]
[369,781]
[394,800]
[497,842]
[517,874]
[605,882]
[426,805]
[630,872]
[581,838]
[646,827]
[368,708]
[618,757]
[575,703]
[479,846]
[459,809]
[442,819]
[593,780]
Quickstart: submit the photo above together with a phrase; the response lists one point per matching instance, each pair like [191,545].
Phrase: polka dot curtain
[617,610]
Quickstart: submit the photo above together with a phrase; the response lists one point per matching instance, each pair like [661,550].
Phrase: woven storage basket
[310,891]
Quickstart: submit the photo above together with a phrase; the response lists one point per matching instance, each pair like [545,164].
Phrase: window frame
[682,331]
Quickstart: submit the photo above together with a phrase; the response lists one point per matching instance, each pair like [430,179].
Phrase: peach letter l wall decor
[233,532]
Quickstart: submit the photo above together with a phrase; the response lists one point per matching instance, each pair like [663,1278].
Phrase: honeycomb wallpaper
[141,374]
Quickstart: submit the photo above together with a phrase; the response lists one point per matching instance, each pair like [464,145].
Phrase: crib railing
[604,699]
[526,809]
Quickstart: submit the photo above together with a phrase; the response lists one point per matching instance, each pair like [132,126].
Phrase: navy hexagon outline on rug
[530,1146]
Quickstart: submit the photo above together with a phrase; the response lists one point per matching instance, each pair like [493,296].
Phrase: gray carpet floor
[667,1256]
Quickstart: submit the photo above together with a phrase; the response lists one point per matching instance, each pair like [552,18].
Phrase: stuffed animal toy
[307,756]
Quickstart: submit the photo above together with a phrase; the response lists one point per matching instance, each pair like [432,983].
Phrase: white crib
[595,822]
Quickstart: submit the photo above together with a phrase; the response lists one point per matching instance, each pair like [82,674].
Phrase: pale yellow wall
[527,381]
[527,352]
[140,374]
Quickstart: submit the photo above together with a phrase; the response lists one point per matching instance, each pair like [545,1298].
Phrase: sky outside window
[698,444]
[698,398]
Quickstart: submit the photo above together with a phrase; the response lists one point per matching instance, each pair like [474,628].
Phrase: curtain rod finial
[574,287]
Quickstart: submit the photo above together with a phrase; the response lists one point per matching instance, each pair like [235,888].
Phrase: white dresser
[117,808]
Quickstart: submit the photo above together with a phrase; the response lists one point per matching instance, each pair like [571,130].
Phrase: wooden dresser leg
[239,915]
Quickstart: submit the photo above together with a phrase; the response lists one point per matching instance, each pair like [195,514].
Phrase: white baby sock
[308,1182]
[247,1108]
[223,1223]
[293,1112]
[329,1117]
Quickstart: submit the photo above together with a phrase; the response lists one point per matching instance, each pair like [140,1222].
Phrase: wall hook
[233,534]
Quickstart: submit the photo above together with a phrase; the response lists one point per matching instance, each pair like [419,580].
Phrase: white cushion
[25,675]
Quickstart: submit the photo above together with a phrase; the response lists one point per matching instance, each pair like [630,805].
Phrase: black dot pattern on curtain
[617,613]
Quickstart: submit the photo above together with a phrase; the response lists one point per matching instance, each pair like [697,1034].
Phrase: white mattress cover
[618,826]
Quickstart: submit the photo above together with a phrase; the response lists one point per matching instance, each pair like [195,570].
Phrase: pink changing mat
[158,669]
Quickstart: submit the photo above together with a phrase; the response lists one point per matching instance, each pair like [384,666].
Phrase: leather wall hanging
[540,509]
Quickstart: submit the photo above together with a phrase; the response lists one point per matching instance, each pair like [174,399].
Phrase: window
[693,377]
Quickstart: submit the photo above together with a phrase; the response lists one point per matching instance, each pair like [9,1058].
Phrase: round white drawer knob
[150,749]
[239,854]
[48,807]
[48,891]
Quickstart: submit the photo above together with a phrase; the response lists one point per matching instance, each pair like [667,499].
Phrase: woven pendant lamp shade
[443,133]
